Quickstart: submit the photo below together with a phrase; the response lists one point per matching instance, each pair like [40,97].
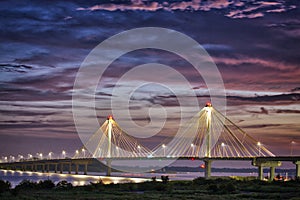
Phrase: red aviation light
[208,104]
[109,117]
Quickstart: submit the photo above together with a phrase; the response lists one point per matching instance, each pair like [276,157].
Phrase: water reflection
[15,177]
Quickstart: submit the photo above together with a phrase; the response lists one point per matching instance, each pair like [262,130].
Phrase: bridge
[208,136]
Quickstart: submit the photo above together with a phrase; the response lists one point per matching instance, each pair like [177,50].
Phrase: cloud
[262,111]
[259,126]
[43,46]
[287,111]
[258,9]
[135,5]
[295,89]
[269,99]
[238,9]
[238,15]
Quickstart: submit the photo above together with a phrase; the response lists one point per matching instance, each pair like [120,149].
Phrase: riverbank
[197,189]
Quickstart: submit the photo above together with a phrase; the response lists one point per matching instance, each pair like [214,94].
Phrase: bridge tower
[208,109]
[109,134]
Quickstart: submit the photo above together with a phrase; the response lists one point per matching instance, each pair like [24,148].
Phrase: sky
[254,44]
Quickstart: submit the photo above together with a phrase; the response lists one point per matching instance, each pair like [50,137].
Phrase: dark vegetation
[199,188]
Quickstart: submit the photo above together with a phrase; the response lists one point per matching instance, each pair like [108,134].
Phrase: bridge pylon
[111,141]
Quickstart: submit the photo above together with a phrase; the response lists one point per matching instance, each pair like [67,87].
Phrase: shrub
[64,185]
[4,186]
[47,184]
[213,188]
[165,179]
[227,188]
[200,181]
[26,184]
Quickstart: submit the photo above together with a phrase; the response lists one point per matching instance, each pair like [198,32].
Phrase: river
[15,177]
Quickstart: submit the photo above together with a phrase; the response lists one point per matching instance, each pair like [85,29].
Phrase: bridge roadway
[44,165]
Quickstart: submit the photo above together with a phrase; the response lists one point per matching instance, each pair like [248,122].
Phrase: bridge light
[223,145]
[164,148]
[258,144]
[192,145]
[20,157]
[50,155]
[292,144]
[63,154]
[83,150]
[41,155]
[259,148]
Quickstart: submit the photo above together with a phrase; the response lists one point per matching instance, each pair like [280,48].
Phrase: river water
[15,177]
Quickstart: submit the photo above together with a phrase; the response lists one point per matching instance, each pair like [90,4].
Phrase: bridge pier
[207,164]
[61,167]
[85,168]
[260,172]
[272,173]
[76,168]
[265,163]
[297,163]
[70,168]
[47,168]
[55,168]
[108,163]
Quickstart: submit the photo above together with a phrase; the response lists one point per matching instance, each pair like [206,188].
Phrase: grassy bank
[196,189]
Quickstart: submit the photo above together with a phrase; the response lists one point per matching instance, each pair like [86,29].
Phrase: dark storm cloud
[32,125]
[262,111]
[287,111]
[262,126]
[26,113]
[275,98]
[171,100]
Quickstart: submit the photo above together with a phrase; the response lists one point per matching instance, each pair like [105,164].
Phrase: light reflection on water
[15,177]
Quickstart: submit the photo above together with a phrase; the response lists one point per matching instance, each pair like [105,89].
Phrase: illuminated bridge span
[208,136]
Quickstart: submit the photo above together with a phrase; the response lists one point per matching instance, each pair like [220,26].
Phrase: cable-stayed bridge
[208,136]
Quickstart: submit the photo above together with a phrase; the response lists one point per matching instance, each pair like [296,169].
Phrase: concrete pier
[262,164]
[207,168]
[297,163]
[108,164]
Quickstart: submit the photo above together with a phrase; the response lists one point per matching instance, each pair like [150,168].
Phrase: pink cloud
[135,5]
[153,6]
[279,10]
[250,11]
[257,61]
